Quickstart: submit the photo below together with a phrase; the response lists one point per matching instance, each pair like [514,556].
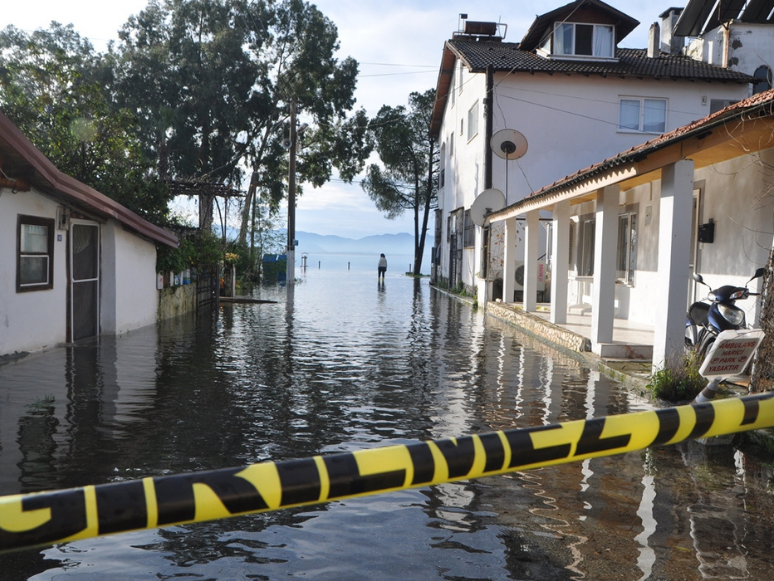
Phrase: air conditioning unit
[541,276]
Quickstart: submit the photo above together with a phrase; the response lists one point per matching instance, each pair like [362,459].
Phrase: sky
[398,44]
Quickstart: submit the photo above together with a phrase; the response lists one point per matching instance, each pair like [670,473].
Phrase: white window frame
[29,253]
[473,121]
[596,30]
[586,238]
[642,107]
[626,252]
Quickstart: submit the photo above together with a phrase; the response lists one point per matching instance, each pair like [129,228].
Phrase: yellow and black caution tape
[28,520]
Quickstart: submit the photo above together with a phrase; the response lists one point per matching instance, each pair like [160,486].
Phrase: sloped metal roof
[24,162]
[700,16]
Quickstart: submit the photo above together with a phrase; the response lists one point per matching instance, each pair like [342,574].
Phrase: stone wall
[176,300]
[538,327]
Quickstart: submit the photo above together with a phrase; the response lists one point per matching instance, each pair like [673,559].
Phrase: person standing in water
[382,267]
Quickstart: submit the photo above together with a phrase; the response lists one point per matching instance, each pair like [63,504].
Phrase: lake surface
[344,363]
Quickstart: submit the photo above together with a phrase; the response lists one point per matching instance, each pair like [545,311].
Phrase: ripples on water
[341,363]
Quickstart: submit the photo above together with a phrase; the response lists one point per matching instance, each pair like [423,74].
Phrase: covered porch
[647,198]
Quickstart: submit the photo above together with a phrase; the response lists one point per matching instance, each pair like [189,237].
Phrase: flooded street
[341,363]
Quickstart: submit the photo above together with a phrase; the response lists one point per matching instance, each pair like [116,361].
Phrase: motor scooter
[716,313]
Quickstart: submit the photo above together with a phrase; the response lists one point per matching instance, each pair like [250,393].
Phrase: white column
[560,261]
[674,244]
[509,260]
[605,245]
[531,238]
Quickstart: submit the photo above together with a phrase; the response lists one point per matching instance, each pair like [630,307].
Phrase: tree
[52,89]
[213,82]
[185,68]
[406,180]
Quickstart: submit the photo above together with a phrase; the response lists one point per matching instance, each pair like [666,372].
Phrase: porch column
[674,248]
[605,244]
[509,260]
[531,238]
[560,260]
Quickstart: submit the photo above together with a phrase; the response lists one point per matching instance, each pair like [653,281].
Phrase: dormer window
[574,39]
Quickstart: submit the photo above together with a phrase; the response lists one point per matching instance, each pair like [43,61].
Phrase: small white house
[576,97]
[73,262]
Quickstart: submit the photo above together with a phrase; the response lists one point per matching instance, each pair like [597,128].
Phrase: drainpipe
[488,113]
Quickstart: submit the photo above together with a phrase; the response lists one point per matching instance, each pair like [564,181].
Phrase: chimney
[670,43]
[654,42]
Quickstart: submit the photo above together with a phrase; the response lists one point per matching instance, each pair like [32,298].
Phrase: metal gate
[207,288]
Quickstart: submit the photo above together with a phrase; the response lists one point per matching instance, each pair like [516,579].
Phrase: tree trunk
[762,374]
[247,206]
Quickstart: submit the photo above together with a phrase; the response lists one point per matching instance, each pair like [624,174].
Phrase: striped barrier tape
[43,518]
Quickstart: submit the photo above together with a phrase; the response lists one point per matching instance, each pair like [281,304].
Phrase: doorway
[84,279]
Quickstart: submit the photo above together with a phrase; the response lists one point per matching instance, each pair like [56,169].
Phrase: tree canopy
[406,178]
[213,81]
[53,89]
[194,90]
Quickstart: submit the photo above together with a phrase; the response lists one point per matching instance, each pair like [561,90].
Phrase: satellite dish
[508,144]
[487,201]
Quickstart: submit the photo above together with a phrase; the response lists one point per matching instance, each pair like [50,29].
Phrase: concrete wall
[176,300]
[32,320]
[129,296]
[570,122]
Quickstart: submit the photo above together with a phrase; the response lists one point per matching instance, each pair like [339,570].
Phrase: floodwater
[343,363]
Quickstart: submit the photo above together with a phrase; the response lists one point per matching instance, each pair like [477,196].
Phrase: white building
[577,98]
[699,198]
[73,262]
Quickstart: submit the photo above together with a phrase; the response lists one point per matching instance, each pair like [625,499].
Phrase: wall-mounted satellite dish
[508,144]
[487,201]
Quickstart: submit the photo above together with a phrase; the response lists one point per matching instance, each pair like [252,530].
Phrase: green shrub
[680,382]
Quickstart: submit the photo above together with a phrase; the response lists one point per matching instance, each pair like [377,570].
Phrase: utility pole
[291,249]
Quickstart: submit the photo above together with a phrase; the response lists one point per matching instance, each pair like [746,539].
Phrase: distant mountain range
[387,243]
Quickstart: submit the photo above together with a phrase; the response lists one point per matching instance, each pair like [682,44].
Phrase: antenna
[485,203]
[508,144]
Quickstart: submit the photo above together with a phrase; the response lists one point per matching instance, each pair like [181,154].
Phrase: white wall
[33,320]
[738,197]
[37,320]
[570,122]
[129,297]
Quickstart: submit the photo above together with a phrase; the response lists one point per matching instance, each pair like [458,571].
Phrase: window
[35,256]
[469,231]
[473,121]
[645,115]
[586,247]
[763,74]
[573,39]
[462,127]
[451,144]
[442,167]
[626,260]
[448,228]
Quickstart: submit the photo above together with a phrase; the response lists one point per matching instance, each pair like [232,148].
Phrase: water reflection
[338,365]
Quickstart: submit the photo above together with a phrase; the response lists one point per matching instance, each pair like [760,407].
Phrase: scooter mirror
[759,273]
[697,277]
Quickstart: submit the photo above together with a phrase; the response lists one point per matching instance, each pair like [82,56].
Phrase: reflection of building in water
[59,406]
[715,515]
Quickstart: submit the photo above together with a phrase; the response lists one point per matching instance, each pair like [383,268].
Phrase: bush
[678,383]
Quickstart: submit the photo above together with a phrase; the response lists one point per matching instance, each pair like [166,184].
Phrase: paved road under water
[342,363]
